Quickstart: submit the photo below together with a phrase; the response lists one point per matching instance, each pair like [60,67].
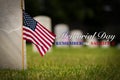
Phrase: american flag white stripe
[40,39]
[38,47]
[45,34]
[46,39]
[37,40]
[40,50]
[46,31]
[29,38]
[32,40]
[32,36]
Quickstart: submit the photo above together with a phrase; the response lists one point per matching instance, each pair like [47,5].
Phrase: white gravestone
[92,42]
[75,39]
[62,32]
[11,35]
[105,44]
[34,48]
[118,46]
[46,22]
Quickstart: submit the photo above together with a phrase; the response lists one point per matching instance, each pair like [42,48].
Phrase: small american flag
[36,33]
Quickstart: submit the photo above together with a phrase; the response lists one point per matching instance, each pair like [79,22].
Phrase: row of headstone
[65,37]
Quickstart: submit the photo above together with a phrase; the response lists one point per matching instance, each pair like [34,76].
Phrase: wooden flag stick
[22,37]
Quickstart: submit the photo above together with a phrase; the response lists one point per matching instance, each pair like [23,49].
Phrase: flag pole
[22,37]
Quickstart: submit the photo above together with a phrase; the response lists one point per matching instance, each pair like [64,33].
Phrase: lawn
[69,64]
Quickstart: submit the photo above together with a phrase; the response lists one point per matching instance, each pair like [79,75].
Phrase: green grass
[69,64]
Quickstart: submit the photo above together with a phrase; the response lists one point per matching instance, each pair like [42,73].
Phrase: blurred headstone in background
[35,50]
[11,56]
[76,39]
[105,44]
[92,43]
[118,46]
[62,35]
[46,22]
[102,17]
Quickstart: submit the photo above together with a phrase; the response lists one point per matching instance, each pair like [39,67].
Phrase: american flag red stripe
[40,36]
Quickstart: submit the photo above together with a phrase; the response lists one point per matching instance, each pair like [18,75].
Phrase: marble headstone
[105,44]
[62,32]
[118,46]
[75,39]
[92,42]
[11,35]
